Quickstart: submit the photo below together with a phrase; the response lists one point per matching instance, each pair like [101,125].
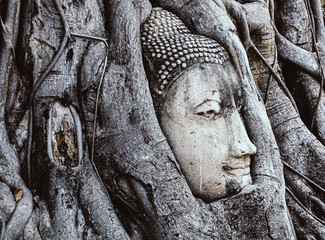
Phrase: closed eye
[209,109]
[210,114]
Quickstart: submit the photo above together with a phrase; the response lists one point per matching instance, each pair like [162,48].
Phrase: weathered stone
[178,41]
[202,124]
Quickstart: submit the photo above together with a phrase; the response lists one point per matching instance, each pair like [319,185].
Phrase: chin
[232,186]
[246,180]
[235,185]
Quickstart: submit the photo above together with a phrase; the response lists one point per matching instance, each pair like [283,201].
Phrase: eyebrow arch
[207,100]
[209,90]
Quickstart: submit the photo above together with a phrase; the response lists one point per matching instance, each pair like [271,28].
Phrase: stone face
[201,121]
[197,95]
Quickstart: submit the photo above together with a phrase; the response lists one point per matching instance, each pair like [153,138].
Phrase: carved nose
[243,147]
[240,143]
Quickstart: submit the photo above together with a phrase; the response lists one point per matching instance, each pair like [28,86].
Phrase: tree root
[276,76]
[304,177]
[7,38]
[9,163]
[134,157]
[10,175]
[9,166]
[69,177]
[67,36]
[3,228]
[317,26]
[97,95]
[75,195]
[38,84]
[296,55]
[315,11]
[267,91]
[236,10]
[21,215]
[303,206]
[161,193]
[31,231]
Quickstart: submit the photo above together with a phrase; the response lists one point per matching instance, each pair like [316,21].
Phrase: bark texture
[82,155]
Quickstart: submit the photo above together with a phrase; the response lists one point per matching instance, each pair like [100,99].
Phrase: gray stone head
[170,48]
[197,97]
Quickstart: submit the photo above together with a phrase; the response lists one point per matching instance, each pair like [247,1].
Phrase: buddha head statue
[198,98]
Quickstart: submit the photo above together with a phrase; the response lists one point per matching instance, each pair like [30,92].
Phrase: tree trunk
[82,154]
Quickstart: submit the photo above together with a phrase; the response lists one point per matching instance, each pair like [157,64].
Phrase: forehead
[209,80]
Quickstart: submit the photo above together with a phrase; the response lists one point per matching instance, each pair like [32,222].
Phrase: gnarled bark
[122,180]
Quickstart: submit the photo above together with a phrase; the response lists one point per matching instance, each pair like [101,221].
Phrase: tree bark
[80,139]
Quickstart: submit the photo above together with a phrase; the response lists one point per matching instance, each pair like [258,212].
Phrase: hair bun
[169,48]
